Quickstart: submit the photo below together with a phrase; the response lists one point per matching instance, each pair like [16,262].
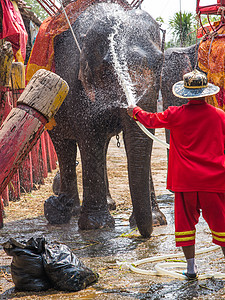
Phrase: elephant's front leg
[145,209]
[138,149]
[94,211]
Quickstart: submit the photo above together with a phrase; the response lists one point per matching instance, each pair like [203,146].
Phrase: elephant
[177,62]
[95,110]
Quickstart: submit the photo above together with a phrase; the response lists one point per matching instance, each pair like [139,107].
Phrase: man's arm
[150,120]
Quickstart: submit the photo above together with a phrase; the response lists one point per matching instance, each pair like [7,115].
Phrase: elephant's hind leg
[59,209]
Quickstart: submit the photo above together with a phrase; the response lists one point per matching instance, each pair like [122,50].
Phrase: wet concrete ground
[102,250]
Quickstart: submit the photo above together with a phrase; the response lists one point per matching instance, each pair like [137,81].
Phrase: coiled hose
[160,268]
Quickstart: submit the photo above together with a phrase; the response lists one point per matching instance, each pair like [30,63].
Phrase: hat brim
[180,91]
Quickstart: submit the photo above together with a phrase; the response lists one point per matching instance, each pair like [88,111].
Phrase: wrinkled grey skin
[177,62]
[90,125]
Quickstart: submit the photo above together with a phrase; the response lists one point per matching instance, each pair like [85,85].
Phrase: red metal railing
[51,8]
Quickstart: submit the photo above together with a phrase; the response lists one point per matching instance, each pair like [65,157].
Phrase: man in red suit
[196,168]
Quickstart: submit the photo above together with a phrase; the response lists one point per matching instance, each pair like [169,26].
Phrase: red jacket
[197,139]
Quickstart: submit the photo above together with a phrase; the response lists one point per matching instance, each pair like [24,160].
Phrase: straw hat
[194,85]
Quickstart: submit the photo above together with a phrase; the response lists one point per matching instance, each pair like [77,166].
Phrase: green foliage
[170,44]
[37,9]
[183,29]
[159,20]
[212,19]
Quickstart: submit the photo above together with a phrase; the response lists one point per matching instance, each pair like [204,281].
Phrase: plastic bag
[65,270]
[37,266]
[27,267]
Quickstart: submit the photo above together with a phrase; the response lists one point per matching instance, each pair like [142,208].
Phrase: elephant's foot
[145,229]
[56,184]
[59,210]
[95,220]
[111,203]
[76,210]
[132,221]
[158,218]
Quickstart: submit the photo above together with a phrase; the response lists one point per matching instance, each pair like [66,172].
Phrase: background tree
[37,9]
[160,20]
[183,28]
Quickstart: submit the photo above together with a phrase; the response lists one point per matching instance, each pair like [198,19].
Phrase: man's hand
[130,110]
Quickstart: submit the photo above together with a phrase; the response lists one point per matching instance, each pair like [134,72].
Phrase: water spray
[123,76]
[126,83]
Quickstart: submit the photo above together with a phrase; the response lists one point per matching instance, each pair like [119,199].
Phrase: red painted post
[20,131]
[5,108]
[5,196]
[48,152]
[14,187]
[1,211]
[37,167]
[26,175]
[53,154]
[44,156]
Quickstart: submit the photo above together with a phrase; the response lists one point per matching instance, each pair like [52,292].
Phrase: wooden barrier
[23,126]
[17,85]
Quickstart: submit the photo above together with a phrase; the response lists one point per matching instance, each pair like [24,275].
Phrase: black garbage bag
[65,270]
[27,267]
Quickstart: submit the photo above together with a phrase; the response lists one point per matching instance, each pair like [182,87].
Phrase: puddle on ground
[101,250]
[184,290]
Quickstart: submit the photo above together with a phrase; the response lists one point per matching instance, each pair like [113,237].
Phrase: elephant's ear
[86,77]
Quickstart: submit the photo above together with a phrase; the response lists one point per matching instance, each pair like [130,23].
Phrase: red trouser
[187,212]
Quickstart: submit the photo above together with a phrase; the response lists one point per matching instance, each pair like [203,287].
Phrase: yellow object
[18,76]
[59,98]
[50,124]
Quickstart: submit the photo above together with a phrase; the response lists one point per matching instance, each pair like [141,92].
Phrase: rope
[74,36]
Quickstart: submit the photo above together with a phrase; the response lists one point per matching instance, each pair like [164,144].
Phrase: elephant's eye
[138,50]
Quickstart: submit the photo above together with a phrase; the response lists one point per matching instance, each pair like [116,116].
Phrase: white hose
[160,268]
[152,136]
